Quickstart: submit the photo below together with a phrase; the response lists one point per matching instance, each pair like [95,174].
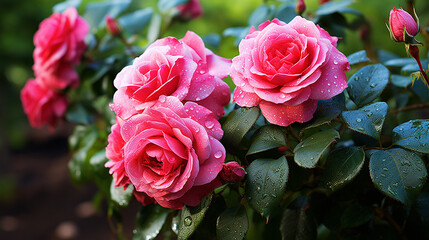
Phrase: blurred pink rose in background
[181,68]
[170,152]
[286,69]
[59,46]
[190,10]
[42,105]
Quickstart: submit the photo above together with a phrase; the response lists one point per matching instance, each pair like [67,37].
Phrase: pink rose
[400,20]
[191,9]
[112,26]
[181,68]
[286,68]
[42,105]
[59,45]
[232,172]
[170,152]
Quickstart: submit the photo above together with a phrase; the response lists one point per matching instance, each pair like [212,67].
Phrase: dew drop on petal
[209,124]
[197,99]
[243,84]
[335,62]
[282,95]
[218,154]
[162,98]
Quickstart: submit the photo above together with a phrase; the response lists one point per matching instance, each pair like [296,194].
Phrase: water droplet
[390,190]
[209,124]
[361,128]
[196,129]
[373,85]
[367,79]
[395,184]
[358,120]
[405,162]
[188,221]
[329,84]
[335,76]
[218,154]
[369,114]
[385,169]
[282,95]
[162,98]
[383,175]
[202,71]
[335,62]
[383,160]
[258,188]
[197,99]
[356,78]
[243,84]
[312,158]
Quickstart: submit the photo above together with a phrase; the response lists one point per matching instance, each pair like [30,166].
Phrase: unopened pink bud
[232,172]
[323,1]
[112,26]
[300,7]
[400,20]
[191,9]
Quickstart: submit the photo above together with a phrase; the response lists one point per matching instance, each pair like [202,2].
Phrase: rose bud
[232,172]
[190,10]
[300,7]
[112,26]
[324,1]
[401,21]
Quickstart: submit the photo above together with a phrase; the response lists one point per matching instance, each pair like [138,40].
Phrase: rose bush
[170,151]
[59,45]
[286,68]
[181,68]
[42,105]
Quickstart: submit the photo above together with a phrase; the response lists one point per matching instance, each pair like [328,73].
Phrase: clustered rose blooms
[286,69]
[170,152]
[400,21]
[58,47]
[181,68]
[165,141]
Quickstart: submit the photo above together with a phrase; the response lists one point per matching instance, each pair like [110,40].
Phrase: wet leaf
[342,166]
[62,6]
[309,151]
[237,124]
[232,224]
[149,222]
[401,81]
[191,217]
[135,22]
[95,12]
[266,183]
[413,135]
[368,120]
[358,57]
[332,7]
[298,224]
[286,12]
[268,137]
[398,173]
[367,84]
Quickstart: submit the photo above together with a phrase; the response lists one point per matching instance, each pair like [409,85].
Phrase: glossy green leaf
[268,137]
[399,62]
[149,222]
[95,12]
[401,81]
[232,224]
[309,151]
[326,111]
[342,166]
[260,15]
[238,32]
[167,5]
[298,224]
[358,57]
[212,40]
[413,66]
[191,217]
[421,90]
[154,28]
[121,196]
[61,7]
[266,183]
[134,22]
[332,7]
[398,173]
[286,12]
[237,124]
[413,135]
[368,120]
[367,84]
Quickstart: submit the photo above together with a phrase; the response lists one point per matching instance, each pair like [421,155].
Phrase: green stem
[414,52]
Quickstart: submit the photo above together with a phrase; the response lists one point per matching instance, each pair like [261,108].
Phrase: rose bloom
[191,9]
[59,45]
[286,68]
[170,152]
[181,68]
[400,20]
[42,105]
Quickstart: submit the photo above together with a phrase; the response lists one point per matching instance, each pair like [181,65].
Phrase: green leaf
[356,215]
[286,12]
[232,224]
[191,217]
[398,173]
[413,135]
[149,222]
[413,66]
[154,28]
[121,196]
[238,32]
[326,111]
[260,15]
[368,120]
[332,7]
[61,7]
[309,151]
[134,22]
[267,137]
[401,81]
[298,224]
[167,5]
[420,89]
[266,183]
[237,124]
[367,84]
[212,40]
[96,12]
[358,57]
[399,62]
[342,166]
[77,113]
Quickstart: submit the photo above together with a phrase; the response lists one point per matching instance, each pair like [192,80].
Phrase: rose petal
[285,115]
[209,168]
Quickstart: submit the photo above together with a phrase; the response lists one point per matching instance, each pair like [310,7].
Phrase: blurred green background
[20,19]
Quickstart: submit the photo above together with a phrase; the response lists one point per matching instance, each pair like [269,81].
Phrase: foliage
[357,170]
